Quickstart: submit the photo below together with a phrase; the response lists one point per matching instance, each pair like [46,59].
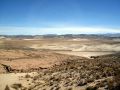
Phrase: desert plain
[59,63]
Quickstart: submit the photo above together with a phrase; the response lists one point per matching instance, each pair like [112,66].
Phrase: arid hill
[30,60]
[63,72]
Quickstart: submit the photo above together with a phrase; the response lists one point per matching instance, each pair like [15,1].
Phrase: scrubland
[59,64]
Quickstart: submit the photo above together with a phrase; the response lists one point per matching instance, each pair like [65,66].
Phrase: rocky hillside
[98,73]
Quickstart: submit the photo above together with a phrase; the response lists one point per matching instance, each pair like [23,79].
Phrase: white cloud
[57,30]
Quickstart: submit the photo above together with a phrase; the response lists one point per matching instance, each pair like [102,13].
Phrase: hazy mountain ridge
[109,36]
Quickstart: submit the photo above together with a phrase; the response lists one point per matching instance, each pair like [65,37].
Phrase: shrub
[91,88]
[7,87]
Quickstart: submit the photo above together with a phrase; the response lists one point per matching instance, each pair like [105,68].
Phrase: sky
[34,17]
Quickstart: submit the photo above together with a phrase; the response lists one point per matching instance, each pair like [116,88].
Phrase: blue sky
[59,16]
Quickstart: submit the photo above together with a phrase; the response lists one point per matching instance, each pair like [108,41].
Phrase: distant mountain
[108,35]
[112,35]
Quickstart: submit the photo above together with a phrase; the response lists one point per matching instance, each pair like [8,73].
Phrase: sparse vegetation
[60,71]
[91,88]
[7,87]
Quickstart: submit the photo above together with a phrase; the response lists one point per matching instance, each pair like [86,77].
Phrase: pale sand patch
[84,54]
[12,78]
[78,47]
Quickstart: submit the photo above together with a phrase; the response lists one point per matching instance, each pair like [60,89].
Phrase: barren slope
[30,60]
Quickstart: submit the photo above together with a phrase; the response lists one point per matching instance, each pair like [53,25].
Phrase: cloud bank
[55,30]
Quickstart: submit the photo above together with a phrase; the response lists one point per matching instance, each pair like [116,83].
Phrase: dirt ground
[35,64]
[30,60]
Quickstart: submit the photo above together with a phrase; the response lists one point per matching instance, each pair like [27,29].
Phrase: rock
[82,82]
[7,68]
[106,87]
[55,87]
[16,86]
